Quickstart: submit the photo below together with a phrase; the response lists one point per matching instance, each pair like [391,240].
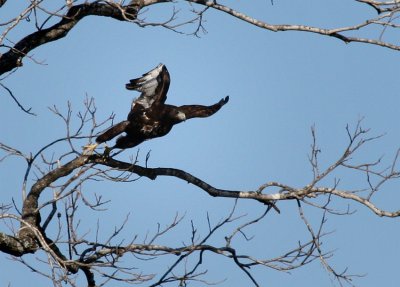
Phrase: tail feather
[112,132]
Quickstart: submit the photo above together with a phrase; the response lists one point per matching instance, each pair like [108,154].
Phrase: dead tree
[49,226]
[68,251]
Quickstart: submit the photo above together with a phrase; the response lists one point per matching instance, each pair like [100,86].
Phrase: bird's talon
[89,149]
[106,153]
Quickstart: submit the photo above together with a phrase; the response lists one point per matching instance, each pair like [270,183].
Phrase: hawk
[150,117]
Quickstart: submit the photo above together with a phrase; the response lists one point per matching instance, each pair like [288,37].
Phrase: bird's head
[178,116]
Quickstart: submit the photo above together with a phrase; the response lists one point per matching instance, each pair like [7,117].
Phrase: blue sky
[280,84]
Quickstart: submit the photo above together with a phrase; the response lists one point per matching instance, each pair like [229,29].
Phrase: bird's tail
[112,132]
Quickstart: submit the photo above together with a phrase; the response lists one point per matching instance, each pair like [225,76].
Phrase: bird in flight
[150,117]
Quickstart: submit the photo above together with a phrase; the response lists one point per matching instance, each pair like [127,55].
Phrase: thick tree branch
[31,215]
[285,193]
[11,245]
[387,12]
[13,58]
[29,209]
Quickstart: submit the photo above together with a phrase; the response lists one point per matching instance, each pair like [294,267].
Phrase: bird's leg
[89,149]
[107,150]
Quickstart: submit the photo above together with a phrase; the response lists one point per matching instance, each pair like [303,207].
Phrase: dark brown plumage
[150,117]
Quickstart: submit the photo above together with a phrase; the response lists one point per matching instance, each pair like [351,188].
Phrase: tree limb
[335,32]
[387,12]
[13,58]
[11,245]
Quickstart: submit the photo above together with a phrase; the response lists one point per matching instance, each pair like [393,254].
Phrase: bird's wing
[112,132]
[198,111]
[153,85]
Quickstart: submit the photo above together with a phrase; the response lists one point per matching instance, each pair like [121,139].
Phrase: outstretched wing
[198,111]
[153,85]
[112,132]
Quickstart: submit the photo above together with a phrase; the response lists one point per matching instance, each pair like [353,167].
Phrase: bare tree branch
[91,257]
[28,111]
[70,15]
[13,58]
[67,173]
[335,32]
